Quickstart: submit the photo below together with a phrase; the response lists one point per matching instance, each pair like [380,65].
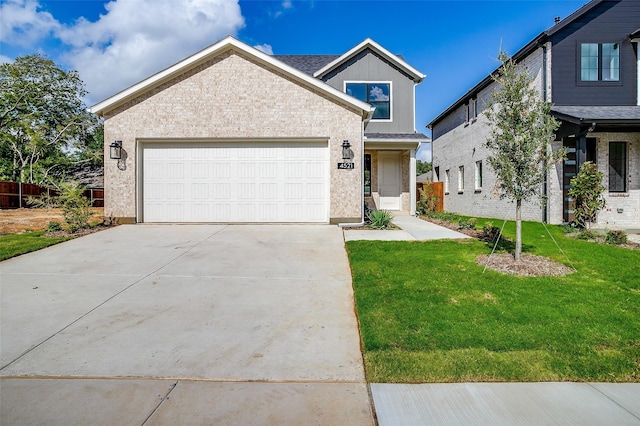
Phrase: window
[472,111]
[367,175]
[436,174]
[617,166]
[446,181]
[600,62]
[461,179]
[375,94]
[478,179]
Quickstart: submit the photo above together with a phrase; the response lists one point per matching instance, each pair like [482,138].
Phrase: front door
[389,180]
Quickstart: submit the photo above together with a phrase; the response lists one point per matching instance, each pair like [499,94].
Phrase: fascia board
[368,43]
[229,43]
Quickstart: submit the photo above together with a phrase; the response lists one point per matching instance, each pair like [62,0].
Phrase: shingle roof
[635,34]
[606,114]
[308,64]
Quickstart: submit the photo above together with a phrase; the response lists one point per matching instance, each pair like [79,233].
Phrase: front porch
[390,170]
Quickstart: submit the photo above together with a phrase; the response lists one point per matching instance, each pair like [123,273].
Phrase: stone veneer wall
[232,96]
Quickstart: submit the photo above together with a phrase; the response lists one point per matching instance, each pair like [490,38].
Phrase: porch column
[412,182]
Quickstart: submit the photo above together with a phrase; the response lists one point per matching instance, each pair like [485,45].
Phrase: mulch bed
[529,265]
[78,233]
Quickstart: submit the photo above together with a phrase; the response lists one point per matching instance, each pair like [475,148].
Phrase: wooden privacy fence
[437,188]
[14,195]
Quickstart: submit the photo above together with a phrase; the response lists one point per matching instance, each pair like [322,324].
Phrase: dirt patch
[14,221]
[529,265]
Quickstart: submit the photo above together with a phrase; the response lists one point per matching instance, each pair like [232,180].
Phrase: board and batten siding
[609,22]
[370,67]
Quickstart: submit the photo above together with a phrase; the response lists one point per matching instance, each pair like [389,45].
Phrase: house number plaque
[346,166]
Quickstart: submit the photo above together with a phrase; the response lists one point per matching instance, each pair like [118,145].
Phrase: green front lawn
[429,314]
[16,244]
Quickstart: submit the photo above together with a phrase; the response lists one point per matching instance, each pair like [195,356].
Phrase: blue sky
[115,44]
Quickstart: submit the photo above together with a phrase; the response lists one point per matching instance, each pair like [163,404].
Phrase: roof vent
[556,19]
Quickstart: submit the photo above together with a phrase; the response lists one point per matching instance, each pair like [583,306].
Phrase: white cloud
[424,152]
[266,48]
[377,94]
[5,59]
[137,38]
[24,24]
[286,4]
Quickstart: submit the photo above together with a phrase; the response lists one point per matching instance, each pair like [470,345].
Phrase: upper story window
[375,94]
[472,111]
[600,62]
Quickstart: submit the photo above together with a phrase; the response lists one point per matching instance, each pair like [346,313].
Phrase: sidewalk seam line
[613,400]
[162,400]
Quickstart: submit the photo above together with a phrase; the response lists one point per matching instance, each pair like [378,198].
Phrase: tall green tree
[521,130]
[43,120]
[422,167]
[587,193]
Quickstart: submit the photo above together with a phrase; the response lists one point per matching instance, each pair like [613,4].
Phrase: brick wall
[231,96]
[622,209]
[462,145]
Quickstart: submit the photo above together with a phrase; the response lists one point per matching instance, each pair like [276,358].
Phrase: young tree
[521,130]
[586,191]
[42,117]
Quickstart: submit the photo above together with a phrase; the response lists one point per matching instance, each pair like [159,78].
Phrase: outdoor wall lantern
[115,150]
[346,152]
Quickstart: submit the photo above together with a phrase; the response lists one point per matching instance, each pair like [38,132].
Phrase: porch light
[346,153]
[115,150]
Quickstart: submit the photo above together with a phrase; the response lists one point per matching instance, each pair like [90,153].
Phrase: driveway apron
[175,324]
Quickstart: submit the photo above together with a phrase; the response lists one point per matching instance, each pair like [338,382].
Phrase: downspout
[545,184]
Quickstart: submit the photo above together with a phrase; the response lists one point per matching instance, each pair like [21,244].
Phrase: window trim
[460,179]
[478,176]
[625,178]
[580,81]
[447,180]
[390,83]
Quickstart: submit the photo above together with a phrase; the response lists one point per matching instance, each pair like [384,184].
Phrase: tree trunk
[518,229]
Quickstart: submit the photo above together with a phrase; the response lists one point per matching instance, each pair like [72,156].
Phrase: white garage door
[235,182]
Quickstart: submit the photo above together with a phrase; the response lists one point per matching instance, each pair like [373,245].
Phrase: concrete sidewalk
[412,228]
[496,404]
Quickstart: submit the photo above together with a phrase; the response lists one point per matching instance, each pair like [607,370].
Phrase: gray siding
[368,66]
[609,22]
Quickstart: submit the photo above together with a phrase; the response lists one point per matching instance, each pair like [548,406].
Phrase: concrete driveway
[177,324]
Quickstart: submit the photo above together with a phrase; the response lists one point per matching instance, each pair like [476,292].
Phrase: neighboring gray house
[231,134]
[588,67]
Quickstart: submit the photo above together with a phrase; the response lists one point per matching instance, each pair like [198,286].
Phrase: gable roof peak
[368,43]
[224,45]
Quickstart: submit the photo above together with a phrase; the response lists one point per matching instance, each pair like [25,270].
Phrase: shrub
[586,191]
[428,202]
[615,237]
[380,219]
[467,223]
[54,226]
[75,206]
[489,231]
[586,234]
[44,201]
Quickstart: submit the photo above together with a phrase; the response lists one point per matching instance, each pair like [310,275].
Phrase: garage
[239,182]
